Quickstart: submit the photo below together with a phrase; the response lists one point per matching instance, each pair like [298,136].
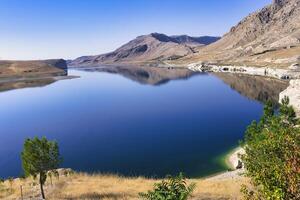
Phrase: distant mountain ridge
[148,49]
[269,37]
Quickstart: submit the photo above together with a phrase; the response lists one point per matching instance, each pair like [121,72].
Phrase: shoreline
[285,74]
[232,158]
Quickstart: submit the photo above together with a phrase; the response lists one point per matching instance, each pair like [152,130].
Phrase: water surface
[150,123]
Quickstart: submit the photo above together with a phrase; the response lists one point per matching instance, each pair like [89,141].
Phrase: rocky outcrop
[150,49]
[293,92]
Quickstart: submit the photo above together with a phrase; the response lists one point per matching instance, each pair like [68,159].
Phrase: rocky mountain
[268,37]
[36,68]
[148,49]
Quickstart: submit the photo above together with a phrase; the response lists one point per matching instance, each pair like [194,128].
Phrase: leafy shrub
[174,188]
[272,158]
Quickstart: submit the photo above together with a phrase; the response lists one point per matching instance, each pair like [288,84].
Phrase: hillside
[268,37]
[112,187]
[149,49]
[37,68]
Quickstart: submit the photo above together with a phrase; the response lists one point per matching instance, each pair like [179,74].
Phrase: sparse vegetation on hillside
[272,156]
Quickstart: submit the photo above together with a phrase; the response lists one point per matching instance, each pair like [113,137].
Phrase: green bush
[272,158]
[174,188]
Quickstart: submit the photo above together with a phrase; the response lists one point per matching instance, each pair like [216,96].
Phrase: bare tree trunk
[41,186]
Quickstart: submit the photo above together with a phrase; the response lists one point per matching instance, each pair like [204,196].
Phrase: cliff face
[148,49]
[265,28]
[37,68]
[270,36]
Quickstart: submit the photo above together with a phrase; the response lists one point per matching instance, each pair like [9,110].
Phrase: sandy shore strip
[232,159]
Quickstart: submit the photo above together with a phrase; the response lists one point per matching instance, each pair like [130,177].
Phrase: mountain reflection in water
[257,88]
[147,75]
[29,83]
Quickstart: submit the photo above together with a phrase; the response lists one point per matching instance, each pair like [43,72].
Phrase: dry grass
[112,187]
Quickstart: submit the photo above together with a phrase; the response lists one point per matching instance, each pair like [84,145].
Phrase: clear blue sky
[38,29]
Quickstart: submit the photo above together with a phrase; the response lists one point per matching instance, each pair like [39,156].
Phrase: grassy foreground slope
[112,187]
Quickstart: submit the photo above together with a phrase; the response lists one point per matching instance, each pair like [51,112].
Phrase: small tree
[287,113]
[49,174]
[56,174]
[268,113]
[174,188]
[66,173]
[38,157]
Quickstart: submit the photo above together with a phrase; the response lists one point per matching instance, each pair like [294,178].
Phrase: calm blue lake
[130,123]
